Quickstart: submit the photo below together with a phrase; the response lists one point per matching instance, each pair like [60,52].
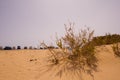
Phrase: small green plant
[116,49]
[76,53]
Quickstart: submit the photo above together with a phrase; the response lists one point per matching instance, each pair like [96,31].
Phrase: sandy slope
[26,65]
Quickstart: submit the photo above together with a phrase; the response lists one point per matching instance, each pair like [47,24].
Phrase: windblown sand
[26,65]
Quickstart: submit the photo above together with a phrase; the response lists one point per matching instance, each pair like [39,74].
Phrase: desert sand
[26,65]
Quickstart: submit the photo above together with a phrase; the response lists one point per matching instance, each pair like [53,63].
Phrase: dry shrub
[76,54]
[106,39]
[116,49]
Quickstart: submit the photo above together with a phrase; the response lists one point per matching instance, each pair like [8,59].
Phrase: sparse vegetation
[18,47]
[107,39]
[76,53]
[14,48]
[30,47]
[25,47]
[116,49]
[7,48]
[1,48]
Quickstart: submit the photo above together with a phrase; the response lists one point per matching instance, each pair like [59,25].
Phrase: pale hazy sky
[27,22]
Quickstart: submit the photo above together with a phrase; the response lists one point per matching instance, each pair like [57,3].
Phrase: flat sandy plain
[26,65]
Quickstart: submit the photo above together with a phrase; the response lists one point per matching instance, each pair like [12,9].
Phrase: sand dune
[26,65]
